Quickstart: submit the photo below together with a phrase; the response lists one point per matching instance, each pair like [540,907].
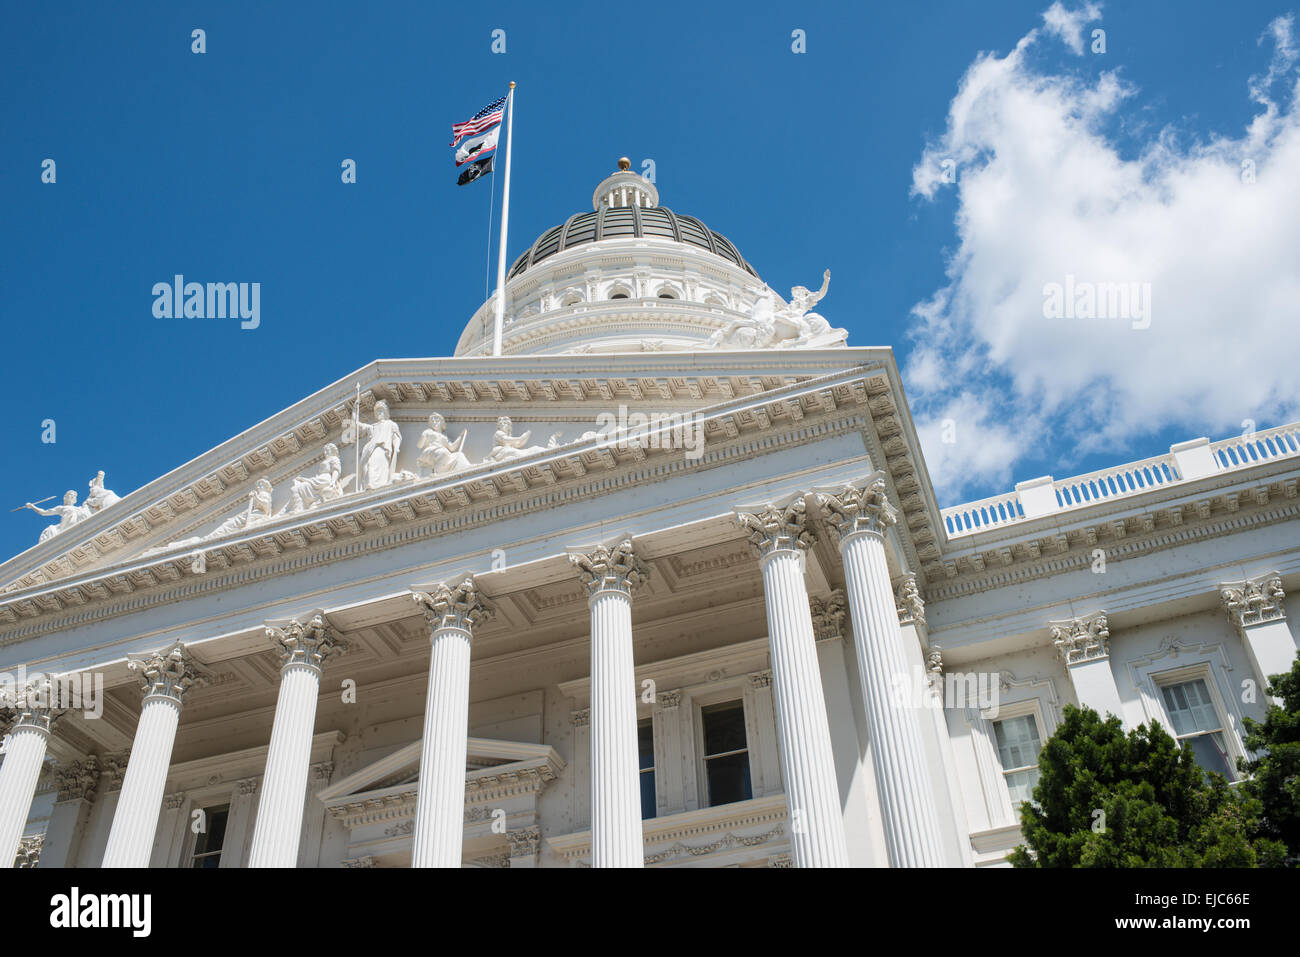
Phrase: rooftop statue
[774,324]
[69,513]
[99,497]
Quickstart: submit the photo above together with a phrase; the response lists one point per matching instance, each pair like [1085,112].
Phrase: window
[207,846]
[726,753]
[1197,725]
[645,738]
[619,295]
[1018,745]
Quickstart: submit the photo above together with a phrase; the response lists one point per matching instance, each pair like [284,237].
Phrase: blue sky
[225,167]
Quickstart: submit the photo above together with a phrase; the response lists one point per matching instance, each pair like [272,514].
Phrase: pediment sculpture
[507,446]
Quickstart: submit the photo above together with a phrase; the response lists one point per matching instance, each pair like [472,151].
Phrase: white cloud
[1069,24]
[1044,193]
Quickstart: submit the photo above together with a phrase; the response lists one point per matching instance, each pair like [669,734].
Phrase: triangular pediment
[197,515]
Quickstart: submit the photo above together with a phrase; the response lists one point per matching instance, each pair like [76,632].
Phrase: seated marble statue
[438,454]
[258,511]
[69,513]
[308,491]
[506,446]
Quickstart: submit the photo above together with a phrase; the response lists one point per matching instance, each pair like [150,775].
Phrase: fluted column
[452,612]
[778,534]
[610,575]
[861,514]
[304,649]
[166,677]
[27,720]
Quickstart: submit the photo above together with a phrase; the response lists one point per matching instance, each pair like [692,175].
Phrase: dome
[628,222]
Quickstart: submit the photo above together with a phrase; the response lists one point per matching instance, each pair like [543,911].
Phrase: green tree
[1109,799]
[1275,775]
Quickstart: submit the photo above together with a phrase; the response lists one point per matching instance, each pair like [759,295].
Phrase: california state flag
[477,147]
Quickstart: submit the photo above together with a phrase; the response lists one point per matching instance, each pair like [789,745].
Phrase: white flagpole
[505,225]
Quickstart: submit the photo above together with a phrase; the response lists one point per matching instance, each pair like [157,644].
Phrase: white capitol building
[664,584]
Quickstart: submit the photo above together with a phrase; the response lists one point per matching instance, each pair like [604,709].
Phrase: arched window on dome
[571,297]
[619,291]
[668,291]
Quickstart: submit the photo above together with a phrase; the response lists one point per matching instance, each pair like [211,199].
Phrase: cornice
[1061,550]
[735,431]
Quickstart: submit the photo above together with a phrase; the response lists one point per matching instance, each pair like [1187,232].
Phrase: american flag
[485,118]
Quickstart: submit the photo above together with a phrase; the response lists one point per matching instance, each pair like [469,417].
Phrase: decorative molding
[114,768]
[460,606]
[1086,638]
[367,860]
[781,860]
[79,780]
[524,841]
[828,615]
[761,679]
[581,717]
[726,842]
[29,851]
[909,603]
[173,802]
[934,668]
[247,786]
[668,700]
[1253,601]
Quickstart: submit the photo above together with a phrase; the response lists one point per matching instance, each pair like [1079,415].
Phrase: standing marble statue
[438,454]
[69,513]
[506,446]
[379,455]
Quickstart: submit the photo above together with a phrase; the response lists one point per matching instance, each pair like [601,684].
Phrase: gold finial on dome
[624,163]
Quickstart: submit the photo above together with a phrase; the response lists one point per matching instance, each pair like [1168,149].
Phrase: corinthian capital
[309,642]
[859,507]
[1254,600]
[1081,639]
[610,569]
[776,527]
[78,780]
[35,706]
[169,673]
[458,606]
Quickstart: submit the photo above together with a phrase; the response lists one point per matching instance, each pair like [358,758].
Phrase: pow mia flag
[475,169]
